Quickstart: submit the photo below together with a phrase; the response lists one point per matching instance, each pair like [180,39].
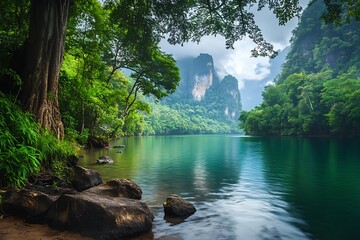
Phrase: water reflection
[244,187]
[322,179]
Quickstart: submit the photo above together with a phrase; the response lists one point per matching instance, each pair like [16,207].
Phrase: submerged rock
[83,178]
[177,207]
[104,160]
[101,217]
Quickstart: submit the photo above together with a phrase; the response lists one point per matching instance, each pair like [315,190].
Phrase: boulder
[175,206]
[46,178]
[72,161]
[26,203]
[107,211]
[117,188]
[97,142]
[119,146]
[100,217]
[83,178]
[104,160]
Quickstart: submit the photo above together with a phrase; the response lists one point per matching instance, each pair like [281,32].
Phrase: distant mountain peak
[200,83]
[201,104]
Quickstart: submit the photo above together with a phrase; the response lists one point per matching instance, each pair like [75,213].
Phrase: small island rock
[104,160]
[175,206]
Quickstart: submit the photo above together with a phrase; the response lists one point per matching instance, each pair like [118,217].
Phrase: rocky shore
[90,208]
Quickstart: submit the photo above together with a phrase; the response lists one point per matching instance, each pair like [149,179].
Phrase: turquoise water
[244,187]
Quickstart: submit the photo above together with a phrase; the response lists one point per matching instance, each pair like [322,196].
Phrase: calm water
[244,187]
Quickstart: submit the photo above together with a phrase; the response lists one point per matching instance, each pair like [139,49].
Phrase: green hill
[318,91]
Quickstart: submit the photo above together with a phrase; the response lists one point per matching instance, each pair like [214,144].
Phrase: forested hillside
[318,91]
[203,103]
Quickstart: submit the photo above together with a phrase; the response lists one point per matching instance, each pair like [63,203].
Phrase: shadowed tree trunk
[44,54]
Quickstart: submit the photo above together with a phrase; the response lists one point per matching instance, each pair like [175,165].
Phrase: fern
[26,148]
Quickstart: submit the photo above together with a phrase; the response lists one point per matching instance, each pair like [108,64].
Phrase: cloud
[238,61]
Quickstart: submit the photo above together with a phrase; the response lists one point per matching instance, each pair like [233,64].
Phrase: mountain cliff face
[200,83]
[197,76]
[201,104]
[231,97]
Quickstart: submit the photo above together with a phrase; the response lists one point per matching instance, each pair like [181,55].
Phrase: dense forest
[61,65]
[62,62]
[318,91]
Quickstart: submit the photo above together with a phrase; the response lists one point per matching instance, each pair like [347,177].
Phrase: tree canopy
[103,37]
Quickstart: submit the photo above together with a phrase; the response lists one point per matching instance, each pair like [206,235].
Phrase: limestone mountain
[201,85]
[197,76]
[202,103]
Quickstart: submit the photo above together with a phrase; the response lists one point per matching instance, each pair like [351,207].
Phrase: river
[244,187]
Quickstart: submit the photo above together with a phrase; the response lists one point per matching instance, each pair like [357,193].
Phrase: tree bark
[45,50]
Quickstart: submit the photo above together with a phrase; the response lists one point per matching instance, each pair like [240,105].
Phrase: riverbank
[110,210]
[16,228]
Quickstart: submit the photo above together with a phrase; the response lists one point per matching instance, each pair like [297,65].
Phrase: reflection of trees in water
[319,179]
[199,164]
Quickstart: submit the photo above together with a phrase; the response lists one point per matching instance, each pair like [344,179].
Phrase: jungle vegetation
[318,91]
[61,62]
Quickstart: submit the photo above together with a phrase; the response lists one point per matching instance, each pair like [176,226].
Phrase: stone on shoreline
[83,178]
[108,211]
[100,217]
[175,206]
[97,142]
[25,202]
[117,188]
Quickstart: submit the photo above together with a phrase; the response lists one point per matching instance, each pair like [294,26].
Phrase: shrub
[26,148]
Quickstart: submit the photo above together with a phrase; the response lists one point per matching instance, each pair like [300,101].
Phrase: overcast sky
[238,61]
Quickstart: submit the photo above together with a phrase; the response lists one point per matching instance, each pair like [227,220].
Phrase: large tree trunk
[45,49]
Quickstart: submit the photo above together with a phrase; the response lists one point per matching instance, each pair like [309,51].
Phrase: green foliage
[342,96]
[96,99]
[13,27]
[317,45]
[318,90]
[25,148]
[191,20]
[341,12]
[314,104]
[18,136]
[182,118]
[157,75]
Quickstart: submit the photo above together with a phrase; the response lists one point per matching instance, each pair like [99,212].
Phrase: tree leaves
[190,20]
